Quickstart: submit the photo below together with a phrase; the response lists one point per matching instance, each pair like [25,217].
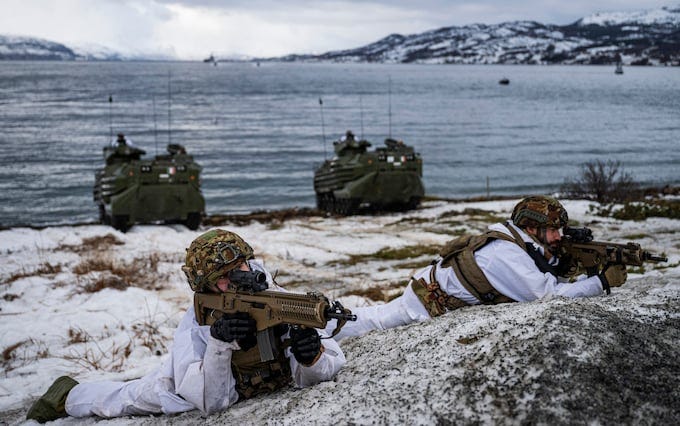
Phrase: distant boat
[210,60]
[619,68]
[504,81]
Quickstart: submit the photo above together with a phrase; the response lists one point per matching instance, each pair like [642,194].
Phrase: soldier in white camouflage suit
[200,372]
[512,262]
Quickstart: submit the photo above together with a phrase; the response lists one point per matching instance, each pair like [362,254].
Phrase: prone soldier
[214,362]
[515,261]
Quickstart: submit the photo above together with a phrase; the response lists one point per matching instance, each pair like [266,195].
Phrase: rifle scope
[578,235]
[248,280]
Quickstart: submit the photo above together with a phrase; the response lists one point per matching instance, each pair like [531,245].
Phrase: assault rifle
[248,293]
[582,254]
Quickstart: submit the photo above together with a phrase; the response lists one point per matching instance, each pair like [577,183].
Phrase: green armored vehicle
[131,190]
[388,178]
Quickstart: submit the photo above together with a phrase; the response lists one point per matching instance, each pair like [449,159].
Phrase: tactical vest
[254,376]
[459,255]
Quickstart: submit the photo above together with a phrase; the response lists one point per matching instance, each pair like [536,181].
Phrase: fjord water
[258,130]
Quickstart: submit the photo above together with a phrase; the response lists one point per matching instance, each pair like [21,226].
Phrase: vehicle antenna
[169,115]
[110,117]
[389,110]
[155,127]
[323,129]
[361,112]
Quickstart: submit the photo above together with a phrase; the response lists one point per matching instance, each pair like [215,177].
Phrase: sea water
[260,131]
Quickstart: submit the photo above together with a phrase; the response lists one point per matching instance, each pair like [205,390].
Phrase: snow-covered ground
[93,303]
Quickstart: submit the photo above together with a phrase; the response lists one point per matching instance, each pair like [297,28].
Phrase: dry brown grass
[481,215]
[91,264]
[10,352]
[147,333]
[94,244]
[94,357]
[387,253]
[105,272]
[97,247]
[279,216]
[412,221]
[104,282]
[78,335]
[23,353]
[45,268]
[383,293]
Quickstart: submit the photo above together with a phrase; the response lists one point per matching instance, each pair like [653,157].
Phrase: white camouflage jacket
[509,269]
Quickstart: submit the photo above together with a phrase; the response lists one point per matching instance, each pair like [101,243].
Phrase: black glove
[568,267]
[238,326]
[305,344]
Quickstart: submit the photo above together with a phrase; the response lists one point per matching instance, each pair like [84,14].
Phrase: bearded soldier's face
[549,236]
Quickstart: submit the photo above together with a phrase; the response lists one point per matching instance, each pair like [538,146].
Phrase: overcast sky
[192,29]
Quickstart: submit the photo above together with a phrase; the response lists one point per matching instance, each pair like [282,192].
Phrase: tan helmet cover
[211,255]
[539,211]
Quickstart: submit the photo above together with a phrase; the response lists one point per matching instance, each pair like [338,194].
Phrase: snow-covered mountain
[96,52]
[639,38]
[28,48]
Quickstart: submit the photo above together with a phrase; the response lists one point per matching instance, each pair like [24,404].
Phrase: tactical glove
[568,267]
[613,276]
[305,344]
[238,326]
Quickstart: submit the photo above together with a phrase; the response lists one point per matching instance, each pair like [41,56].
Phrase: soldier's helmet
[211,255]
[539,211]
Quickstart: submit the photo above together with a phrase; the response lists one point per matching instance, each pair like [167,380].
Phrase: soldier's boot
[50,406]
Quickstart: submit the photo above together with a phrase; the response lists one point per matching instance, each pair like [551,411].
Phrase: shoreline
[284,214]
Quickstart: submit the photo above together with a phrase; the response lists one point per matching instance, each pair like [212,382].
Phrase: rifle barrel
[649,257]
[341,316]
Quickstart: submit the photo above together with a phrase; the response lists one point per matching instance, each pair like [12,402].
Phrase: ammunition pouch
[434,299]
[255,377]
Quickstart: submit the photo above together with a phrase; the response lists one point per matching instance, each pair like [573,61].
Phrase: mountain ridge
[649,37]
[643,37]
[31,48]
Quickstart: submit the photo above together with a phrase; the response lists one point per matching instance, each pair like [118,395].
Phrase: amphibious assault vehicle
[131,190]
[388,178]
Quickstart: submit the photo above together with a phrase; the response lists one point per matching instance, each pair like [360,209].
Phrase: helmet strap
[540,238]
